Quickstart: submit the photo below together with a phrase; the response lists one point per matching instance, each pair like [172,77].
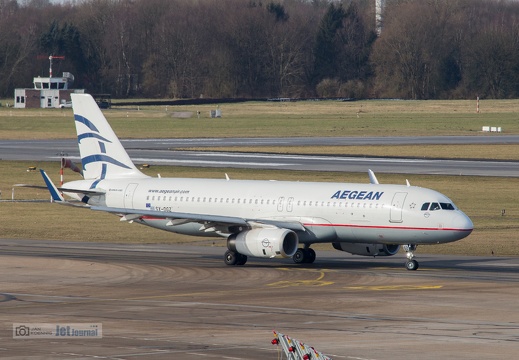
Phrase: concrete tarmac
[159,152]
[183,302]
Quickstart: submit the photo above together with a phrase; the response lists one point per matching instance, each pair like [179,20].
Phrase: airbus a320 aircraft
[264,219]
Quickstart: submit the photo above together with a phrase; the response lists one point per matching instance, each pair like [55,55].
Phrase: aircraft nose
[462,224]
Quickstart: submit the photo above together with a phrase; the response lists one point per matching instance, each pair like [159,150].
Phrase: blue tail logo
[102,141]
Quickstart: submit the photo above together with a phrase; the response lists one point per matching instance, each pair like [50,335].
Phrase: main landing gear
[410,264]
[304,255]
[234,258]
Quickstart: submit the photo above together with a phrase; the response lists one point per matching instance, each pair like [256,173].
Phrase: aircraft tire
[412,265]
[304,256]
[300,256]
[231,258]
[311,255]
[242,259]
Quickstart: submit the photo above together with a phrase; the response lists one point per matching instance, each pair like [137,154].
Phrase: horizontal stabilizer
[97,192]
[67,190]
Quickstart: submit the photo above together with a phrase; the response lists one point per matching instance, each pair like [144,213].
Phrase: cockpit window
[434,206]
[447,206]
[437,206]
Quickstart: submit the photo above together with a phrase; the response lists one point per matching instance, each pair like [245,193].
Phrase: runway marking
[204,162]
[288,283]
[292,283]
[395,287]
[279,285]
[200,293]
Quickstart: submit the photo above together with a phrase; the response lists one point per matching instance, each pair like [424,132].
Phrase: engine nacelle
[367,249]
[265,243]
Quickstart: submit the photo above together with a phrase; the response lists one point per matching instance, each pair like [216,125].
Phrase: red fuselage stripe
[357,226]
[385,227]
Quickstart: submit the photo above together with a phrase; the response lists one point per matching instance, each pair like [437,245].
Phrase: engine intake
[265,243]
[367,249]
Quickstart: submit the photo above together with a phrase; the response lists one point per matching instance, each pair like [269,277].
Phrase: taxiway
[162,152]
[175,301]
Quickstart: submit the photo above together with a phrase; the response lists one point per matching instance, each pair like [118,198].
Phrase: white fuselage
[330,212]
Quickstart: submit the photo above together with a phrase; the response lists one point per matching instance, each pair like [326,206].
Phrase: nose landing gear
[410,264]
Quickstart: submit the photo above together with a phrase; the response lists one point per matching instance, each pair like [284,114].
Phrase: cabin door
[128,195]
[397,205]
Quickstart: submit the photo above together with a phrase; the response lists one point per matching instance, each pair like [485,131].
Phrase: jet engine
[266,243]
[367,249]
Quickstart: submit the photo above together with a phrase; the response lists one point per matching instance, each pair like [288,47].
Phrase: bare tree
[414,47]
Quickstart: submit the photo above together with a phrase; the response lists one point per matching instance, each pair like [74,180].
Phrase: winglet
[372,178]
[54,193]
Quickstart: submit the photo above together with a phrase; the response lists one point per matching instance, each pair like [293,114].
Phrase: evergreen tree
[326,51]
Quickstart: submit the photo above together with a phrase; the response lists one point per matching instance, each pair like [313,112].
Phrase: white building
[48,92]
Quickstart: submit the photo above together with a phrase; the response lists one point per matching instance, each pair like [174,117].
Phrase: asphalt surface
[174,301]
[161,152]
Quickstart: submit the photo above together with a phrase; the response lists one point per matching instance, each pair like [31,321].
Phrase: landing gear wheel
[311,255]
[242,259]
[231,258]
[300,256]
[304,256]
[412,265]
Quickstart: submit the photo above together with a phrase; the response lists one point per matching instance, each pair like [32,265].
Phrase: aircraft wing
[180,217]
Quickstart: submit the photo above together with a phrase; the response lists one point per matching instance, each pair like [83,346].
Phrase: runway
[161,152]
[179,301]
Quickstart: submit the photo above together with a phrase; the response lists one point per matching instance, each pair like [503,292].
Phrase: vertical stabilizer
[102,154]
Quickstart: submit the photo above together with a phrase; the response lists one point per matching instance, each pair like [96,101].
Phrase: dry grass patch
[265,119]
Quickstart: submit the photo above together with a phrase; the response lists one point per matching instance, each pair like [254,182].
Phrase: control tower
[48,92]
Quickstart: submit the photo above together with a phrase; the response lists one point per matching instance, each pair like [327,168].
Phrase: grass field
[482,198]
[257,119]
